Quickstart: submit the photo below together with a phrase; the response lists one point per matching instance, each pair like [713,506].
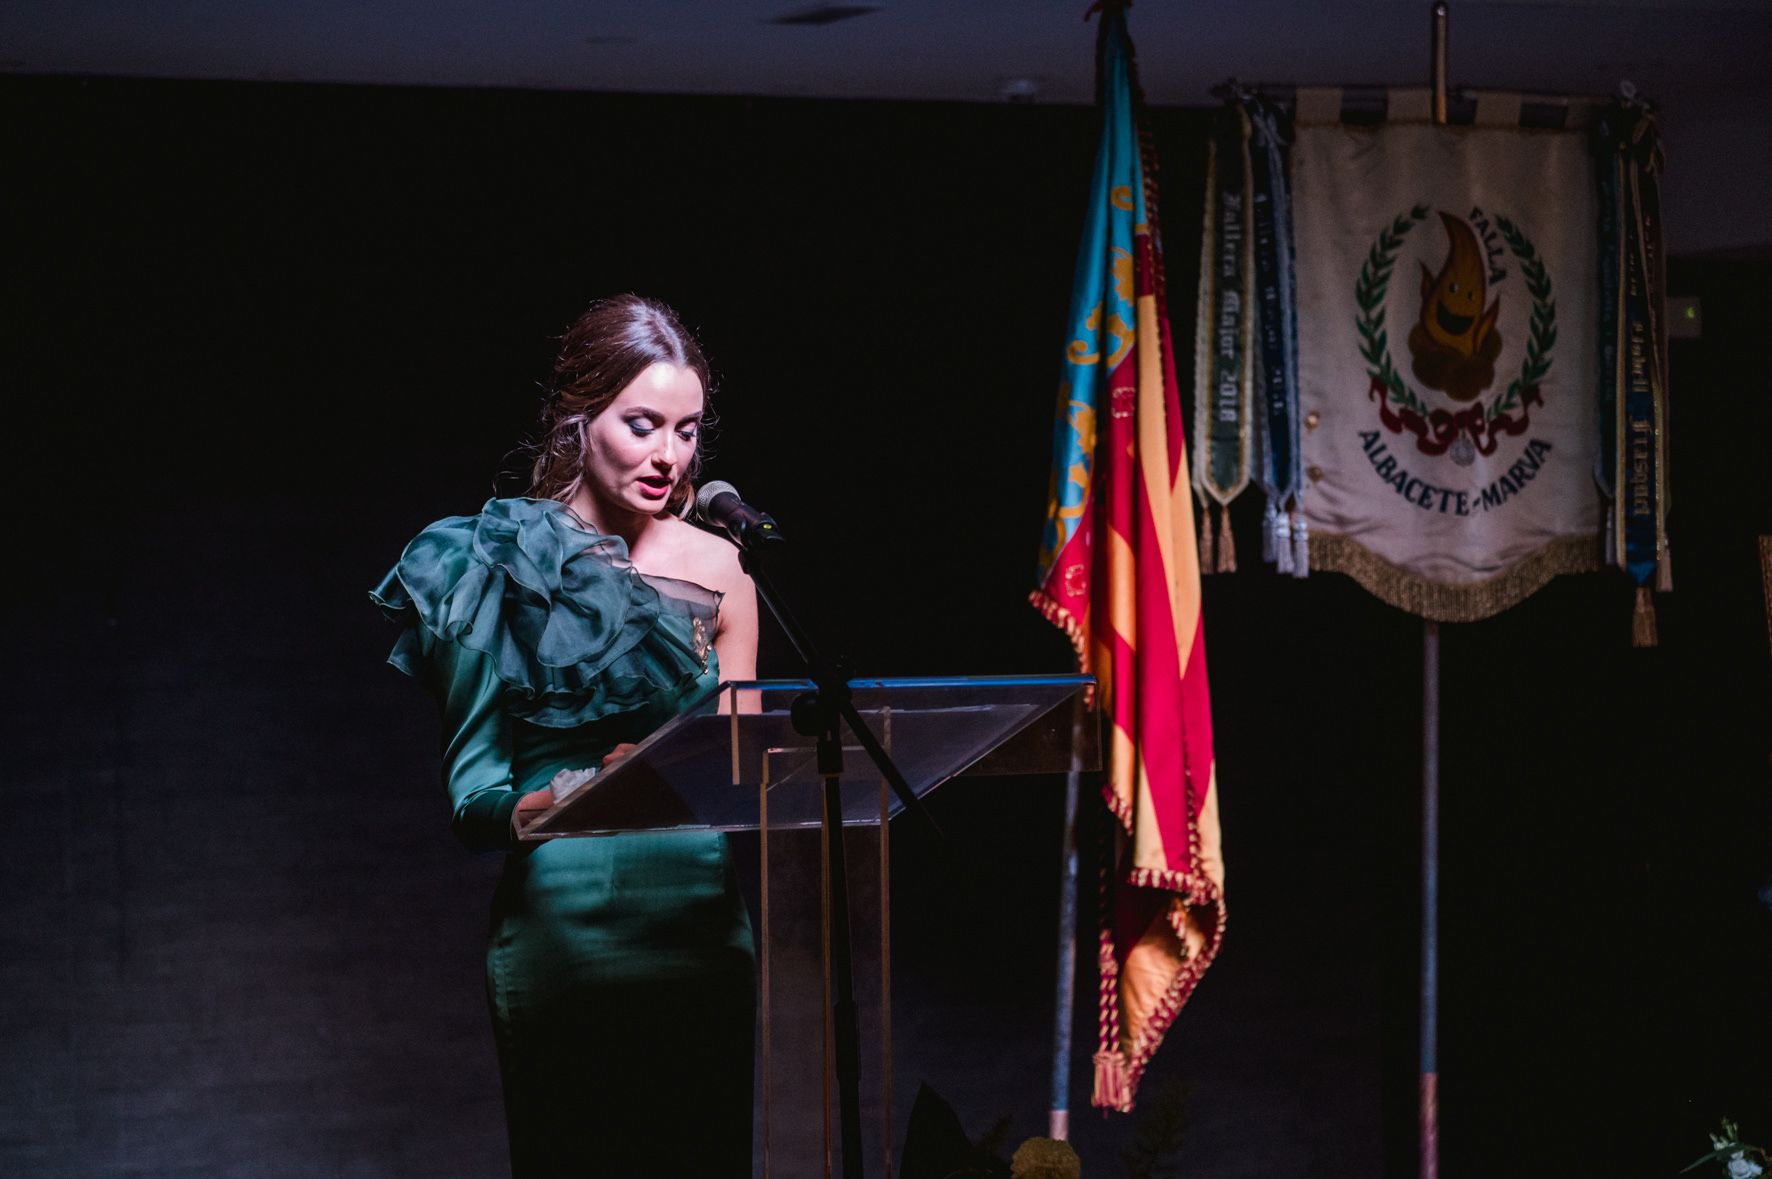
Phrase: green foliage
[1739,1160]
[936,1146]
[1162,1123]
[1541,332]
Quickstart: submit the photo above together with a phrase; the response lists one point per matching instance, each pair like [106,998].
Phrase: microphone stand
[821,713]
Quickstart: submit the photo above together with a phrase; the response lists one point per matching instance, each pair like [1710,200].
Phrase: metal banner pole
[1058,1123]
[1430,897]
[1430,782]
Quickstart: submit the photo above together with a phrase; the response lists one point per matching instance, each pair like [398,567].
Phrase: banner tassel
[1301,546]
[1642,623]
[1282,543]
[1269,524]
[1664,570]
[1227,543]
[1110,1081]
[1206,511]
[1611,534]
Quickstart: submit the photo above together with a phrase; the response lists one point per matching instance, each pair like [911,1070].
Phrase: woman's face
[642,445]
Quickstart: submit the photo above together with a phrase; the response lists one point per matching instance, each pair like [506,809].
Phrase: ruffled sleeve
[476,747]
[569,629]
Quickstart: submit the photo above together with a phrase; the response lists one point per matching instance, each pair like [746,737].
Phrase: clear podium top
[732,760]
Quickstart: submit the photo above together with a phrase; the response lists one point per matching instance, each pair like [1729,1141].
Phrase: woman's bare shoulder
[707,559]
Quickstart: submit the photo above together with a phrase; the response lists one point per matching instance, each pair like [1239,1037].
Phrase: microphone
[717,503]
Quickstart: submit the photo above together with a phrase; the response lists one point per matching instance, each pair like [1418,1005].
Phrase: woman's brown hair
[612,343]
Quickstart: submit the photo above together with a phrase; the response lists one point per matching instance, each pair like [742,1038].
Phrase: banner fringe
[1206,513]
[1453,603]
[1227,543]
[1664,571]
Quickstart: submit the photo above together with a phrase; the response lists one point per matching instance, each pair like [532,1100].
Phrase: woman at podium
[554,630]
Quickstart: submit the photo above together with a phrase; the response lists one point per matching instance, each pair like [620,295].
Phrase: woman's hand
[537,801]
[528,807]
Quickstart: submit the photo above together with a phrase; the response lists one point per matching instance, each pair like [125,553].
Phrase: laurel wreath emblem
[1374,281]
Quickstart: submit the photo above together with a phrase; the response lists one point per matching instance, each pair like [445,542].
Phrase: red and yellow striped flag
[1120,573]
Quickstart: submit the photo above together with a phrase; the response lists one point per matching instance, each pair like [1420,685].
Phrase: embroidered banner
[1120,573]
[1446,284]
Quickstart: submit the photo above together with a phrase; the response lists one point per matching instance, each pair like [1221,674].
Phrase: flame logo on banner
[1454,343]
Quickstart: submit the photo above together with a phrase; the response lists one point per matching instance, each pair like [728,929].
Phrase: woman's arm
[476,747]
[712,561]
[735,636]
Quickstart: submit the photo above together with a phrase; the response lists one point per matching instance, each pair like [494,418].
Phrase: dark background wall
[255,336]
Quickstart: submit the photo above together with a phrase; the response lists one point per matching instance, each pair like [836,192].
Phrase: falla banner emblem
[1462,384]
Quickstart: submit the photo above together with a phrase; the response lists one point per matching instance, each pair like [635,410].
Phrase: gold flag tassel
[1301,545]
[1227,543]
[1664,570]
[1642,623]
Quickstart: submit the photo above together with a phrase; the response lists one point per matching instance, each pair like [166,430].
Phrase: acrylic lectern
[735,760]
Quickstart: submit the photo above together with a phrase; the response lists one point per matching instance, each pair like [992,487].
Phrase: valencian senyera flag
[1119,572]
[1446,282]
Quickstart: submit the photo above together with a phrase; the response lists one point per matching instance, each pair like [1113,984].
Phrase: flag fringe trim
[1454,603]
[1064,620]
[1117,1073]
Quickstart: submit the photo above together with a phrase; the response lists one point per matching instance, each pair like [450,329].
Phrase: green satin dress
[620,971]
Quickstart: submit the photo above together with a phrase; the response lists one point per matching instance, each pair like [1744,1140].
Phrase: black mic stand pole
[818,714]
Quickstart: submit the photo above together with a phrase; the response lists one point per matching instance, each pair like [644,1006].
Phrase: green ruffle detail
[573,631]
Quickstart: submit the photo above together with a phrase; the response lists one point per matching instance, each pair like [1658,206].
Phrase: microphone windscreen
[704,498]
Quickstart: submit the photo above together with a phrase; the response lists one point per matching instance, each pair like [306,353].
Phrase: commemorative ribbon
[1639,374]
[1608,169]
[1224,379]
[1285,540]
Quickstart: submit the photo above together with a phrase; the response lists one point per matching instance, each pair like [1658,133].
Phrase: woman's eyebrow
[648,411]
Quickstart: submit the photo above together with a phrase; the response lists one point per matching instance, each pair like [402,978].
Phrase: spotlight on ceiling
[824,14]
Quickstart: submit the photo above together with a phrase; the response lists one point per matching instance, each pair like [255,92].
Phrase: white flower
[566,781]
[1742,1167]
